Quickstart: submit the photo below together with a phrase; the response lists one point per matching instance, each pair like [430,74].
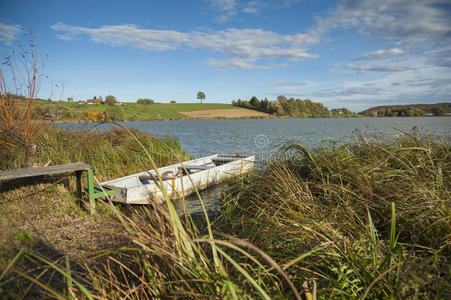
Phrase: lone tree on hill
[201,96]
[110,100]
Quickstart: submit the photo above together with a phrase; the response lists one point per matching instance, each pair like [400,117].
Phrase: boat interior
[175,171]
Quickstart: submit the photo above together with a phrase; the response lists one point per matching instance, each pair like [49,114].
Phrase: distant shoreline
[72,121]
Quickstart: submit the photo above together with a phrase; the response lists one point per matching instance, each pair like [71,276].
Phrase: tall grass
[374,217]
[166,257]
[365,220]
[112,153]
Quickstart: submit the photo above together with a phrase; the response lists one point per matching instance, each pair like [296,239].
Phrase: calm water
[265,136]
[204,137]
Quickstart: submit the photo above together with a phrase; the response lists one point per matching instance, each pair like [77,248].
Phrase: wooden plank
[50,170]
[197,167]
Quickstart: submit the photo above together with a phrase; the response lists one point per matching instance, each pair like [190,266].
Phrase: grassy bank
[129,111]
[44,216]
[111,153]
[362,220]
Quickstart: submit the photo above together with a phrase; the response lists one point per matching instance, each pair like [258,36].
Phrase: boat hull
[216,168]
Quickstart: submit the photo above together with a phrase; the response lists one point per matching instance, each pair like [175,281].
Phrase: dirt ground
[225,113]
[50,220]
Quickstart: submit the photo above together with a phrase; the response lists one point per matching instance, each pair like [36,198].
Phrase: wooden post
[91,188]
[78,183]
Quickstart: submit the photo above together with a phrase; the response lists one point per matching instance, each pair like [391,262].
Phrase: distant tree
[94,98]
[110,100]
[70,99]
[438,111]
[145,101]
[101,100]
[281,99]
[173,102]
[254,102]
[264,105]
[346,111]
[200,96]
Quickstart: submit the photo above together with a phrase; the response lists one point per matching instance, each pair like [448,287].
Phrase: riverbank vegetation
[43,215]
[370,219]
[113,152]
[410,110]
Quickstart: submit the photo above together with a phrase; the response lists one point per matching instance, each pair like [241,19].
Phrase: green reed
[364,220]
[367,219]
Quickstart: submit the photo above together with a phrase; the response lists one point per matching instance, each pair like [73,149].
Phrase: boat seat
[196,167]
[165,176]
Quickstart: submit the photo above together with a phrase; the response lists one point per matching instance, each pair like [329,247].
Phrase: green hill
[72,111]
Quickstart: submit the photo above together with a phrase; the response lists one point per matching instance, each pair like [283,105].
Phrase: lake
[265,136]
[262,136]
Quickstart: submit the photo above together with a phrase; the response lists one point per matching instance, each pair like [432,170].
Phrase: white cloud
[287,83]
[420,32]
[9,33]
[225,8]
[380,54]
[441,58]
[244,46]
[251,7]
[375,68]
[223,5]
[237,63]
[125,35]
[430,85]
[406,21]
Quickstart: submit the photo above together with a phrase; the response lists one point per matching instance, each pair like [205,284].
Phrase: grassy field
[367,220]
[134,111]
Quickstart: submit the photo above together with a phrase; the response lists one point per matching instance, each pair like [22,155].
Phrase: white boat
[141,188]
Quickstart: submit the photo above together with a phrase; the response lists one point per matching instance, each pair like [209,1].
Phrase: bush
[94,115]
[145,101]
[114,114]
[110,100]
[438,111]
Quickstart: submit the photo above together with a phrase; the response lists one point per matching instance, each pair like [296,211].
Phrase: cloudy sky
[352,53]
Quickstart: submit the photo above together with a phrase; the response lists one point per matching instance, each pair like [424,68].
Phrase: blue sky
[350,53]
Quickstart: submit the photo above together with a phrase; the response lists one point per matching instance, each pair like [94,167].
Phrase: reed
[364,220]
[18,125]
[367,219]
[163,255]
[111,153]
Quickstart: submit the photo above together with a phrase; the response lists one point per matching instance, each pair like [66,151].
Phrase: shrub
[110,100]
[145,101]
[114,114]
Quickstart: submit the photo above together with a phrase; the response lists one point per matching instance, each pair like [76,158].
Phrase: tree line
[296,108]
[410,110]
